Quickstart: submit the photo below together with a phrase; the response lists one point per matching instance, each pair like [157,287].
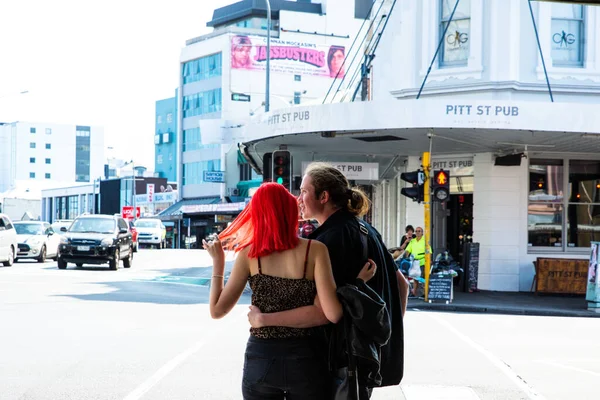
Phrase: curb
[464,308]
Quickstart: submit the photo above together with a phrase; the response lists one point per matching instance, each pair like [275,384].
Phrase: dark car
[96,239]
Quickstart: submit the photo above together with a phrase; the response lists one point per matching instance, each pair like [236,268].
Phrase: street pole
[268,80]
[426,160]
[133,190]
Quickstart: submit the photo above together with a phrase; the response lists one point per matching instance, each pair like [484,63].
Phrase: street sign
[150,192]
[240,97]
[127,212]
[214,176]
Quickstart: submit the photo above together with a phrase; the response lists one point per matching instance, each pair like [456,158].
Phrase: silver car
[37,240]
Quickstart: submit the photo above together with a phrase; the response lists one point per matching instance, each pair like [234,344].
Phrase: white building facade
[50,152]
[524,167]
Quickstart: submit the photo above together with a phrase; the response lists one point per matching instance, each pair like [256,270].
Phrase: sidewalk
[516,303]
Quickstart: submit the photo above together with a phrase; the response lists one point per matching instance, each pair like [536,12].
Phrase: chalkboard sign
[440,288]
[470,266]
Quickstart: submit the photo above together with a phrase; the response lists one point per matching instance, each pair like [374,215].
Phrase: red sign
[127,212]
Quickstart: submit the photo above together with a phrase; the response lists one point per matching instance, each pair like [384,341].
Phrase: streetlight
[268,83]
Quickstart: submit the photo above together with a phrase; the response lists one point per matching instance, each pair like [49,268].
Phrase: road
[145,333]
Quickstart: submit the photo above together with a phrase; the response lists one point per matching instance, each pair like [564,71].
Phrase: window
[31,160]
[564,203]
[245,172]
[166,137]
[48,131]
[192,140]
[32,145]
[48,161]
[456,41]
[157,139]
[193,173]
[202,68]
[159,119]
[47,175]
[169,118]
[31,130]
[159,159]
[48,146]
[567,30]
[32,175]
[202,103]
[297,97]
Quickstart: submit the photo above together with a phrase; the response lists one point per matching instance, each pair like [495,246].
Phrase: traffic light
[417,179]
[267,169]
[282,168]
[440,187]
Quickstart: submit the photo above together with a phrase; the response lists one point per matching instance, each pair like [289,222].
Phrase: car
[152,232]
[96,239]
[37,240]
[134,234]
[8,241]
[56,225]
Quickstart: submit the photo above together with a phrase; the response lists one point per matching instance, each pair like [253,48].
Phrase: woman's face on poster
[337,63]
[241,55]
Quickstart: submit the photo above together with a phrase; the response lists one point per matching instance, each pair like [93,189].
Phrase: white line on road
[570,367]
[172,364]
[501,365]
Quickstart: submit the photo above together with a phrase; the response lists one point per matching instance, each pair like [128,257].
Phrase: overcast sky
[96,63]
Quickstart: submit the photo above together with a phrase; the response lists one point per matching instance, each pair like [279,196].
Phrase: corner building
[524,167]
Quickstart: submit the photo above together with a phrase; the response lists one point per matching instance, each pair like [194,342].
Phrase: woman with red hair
[284,272]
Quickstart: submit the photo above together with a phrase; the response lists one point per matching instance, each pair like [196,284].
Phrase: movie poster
[290,57]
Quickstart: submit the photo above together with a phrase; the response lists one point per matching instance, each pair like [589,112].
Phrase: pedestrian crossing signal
[441,185]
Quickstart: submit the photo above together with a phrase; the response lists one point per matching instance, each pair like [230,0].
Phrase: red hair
[268,224]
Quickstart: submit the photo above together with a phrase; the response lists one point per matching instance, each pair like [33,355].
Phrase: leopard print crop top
[273,294]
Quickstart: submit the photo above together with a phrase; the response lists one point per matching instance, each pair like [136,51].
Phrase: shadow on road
[176,286]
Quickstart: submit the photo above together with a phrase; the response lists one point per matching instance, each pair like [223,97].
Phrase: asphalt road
[145,333]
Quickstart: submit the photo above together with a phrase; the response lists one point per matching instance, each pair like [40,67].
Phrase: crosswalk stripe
[430,392]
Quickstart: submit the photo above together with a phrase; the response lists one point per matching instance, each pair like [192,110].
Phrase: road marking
[501,365]
[569,367]
[166,369]
[430,392]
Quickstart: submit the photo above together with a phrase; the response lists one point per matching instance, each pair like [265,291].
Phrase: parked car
[58,224]
[37,240]
[134,235]
[8,241]
[96,239]
[152,231]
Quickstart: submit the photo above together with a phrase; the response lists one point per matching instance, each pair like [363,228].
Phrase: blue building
[165,135]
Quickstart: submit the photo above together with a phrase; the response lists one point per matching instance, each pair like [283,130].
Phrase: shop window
[567,30]
[559,216]
[545,210]
[456,42]
[583,213]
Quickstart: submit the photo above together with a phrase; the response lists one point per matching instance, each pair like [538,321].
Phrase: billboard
[287,56]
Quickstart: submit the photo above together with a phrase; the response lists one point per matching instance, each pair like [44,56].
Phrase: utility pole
[268,80]
[426,161]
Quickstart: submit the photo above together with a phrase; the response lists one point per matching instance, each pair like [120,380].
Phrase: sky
[102,63]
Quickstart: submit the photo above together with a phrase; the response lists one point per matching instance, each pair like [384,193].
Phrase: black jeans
[292,369]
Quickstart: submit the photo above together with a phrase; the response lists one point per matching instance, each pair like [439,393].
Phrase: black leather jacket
[364,328]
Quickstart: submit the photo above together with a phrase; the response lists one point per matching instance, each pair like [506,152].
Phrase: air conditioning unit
[233,192]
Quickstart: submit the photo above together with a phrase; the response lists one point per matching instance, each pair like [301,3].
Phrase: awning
[240,158]
[245,186]
[176,210]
